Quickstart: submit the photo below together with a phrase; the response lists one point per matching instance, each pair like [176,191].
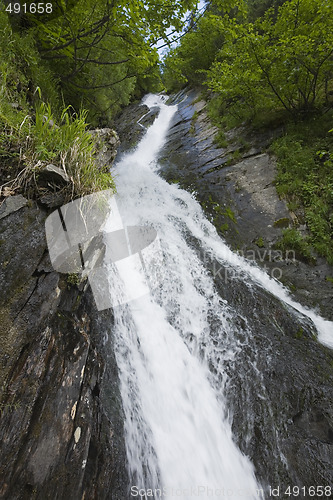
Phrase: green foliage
[21,73]
[293,240]
[89,54]
[277,63]
[273,67]
[22,68]
[104,52]
[257,8]
[305,178]
[98,54]
[187,62]
[281,60]
[71,147]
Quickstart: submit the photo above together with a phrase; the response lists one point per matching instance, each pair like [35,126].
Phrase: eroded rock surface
[132,124]
[235,185]
[279,390]
[279,384]
[60,435]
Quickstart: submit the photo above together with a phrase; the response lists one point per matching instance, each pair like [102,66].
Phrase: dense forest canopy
[72,67]
[97,53]
[259,55]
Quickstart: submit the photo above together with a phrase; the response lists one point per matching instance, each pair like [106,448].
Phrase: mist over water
[177,425]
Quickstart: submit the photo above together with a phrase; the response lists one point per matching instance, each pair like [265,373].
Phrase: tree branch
[105,86]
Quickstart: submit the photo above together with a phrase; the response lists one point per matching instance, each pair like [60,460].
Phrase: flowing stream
[178,431]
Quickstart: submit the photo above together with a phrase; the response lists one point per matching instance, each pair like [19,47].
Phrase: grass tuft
[67,144]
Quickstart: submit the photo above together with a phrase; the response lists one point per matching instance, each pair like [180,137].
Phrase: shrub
[305,178]
[293,240]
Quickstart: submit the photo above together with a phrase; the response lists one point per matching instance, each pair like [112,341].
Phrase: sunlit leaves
[196,52]
[100,47]
[288,61]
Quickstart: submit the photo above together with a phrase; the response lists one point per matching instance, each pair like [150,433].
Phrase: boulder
[53,174]
[12,204]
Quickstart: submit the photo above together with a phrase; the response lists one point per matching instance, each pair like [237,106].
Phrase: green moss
[230,214]
[260,242]
[224,227]
[73,278]
[283,222]
[300,333]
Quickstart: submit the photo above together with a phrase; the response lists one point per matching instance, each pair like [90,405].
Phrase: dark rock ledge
[61,420]
[60,436]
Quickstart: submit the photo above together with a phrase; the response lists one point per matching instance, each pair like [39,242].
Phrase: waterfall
[177,425]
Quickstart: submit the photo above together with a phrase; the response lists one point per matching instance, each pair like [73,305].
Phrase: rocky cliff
[279,388]
[235,186]
[61,414]
[61,427]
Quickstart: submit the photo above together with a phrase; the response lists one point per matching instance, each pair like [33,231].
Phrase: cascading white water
[178,434]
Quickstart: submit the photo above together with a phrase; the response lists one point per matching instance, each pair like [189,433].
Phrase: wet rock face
[60,435]
[279,391]
[131,125]
[280,385]
[234,182]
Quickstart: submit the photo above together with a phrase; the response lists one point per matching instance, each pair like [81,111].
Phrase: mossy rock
[283,222]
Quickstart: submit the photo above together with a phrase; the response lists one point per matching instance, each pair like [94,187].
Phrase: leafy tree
[99,49]
[185,63]
[200,43]
[257,8]
[285,63]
